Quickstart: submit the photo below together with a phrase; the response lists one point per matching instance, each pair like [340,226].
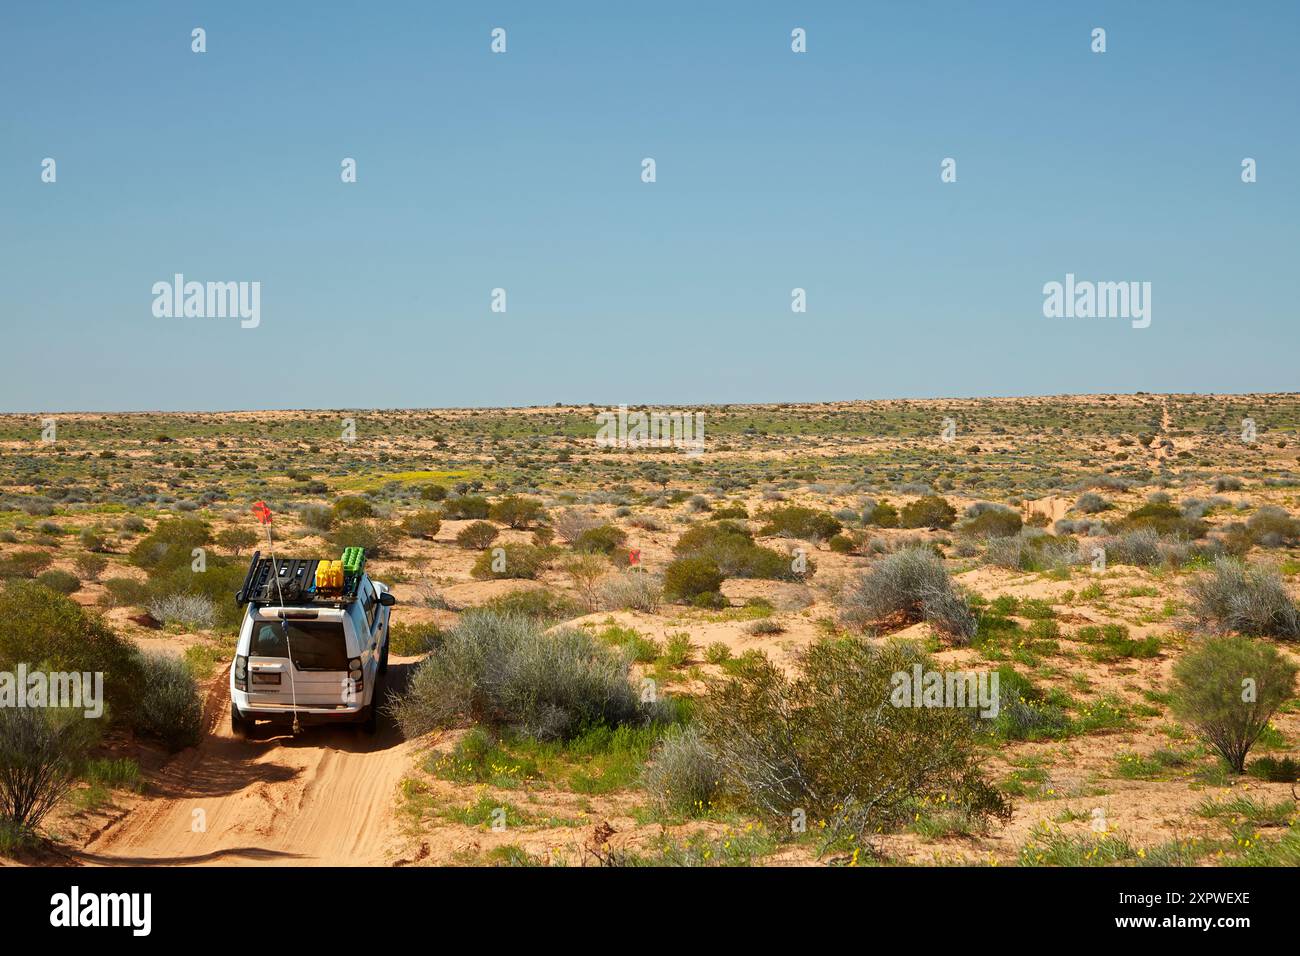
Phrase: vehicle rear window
[317,645]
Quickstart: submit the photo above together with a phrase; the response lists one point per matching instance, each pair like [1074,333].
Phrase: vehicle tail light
[354,674]
[241,672]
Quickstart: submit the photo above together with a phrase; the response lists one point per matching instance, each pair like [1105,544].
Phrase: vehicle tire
[370,723]
[240,725]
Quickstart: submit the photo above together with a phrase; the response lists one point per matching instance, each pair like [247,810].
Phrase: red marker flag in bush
[262,511]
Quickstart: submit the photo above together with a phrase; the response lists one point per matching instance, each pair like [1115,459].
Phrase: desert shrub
[538,604]
[378,537]
[421,524]
[1273,527]
[170,706]
[125,592]
[908,586]
[477,535]
[683,776]
[1275,769]
[585,571]
[352,507]
[731,547]
[765,626]
[50,629]
[930,511]
[710,601]
[840,544]
[24,564]
[432,492]
[737,511]
[465,507]
[1140,548]
[882,515]
[630,590]
[42,751]
[1242,598]
[1024,711]
[520,561]
[92,540]
[194,611]
[236,540]
[408,640]
[795,521]
[171,544]
[62,581]
[1228,689]
[704,536]
[90,566]
[1091,503]
[504,671]
[216,585]
[317,518]
[827,742]
[516,511]
[1032,550]
[570,524]
[1227,483]
[1165,519]
[995,522]
[687,577]
[602,539]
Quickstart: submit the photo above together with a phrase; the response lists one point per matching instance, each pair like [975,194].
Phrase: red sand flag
[262,511]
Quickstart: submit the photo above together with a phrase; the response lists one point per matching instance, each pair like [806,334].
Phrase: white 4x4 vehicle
[308,655]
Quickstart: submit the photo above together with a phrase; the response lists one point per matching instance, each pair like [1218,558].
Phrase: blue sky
[522,171]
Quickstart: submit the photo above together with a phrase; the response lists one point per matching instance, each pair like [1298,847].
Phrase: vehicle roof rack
[297,581]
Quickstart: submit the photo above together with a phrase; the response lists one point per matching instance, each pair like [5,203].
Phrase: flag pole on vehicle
[264,516]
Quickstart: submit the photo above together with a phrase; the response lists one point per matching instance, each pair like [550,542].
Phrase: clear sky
[775,170]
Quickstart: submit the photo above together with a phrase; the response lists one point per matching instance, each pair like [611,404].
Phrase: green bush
[90,566]
[1165,519]
[930,511]
[46,628]
[42,752]
[62,581]
[516,512]
[828,743]
[1228,689]
[170,706]
[686,578]
[92,540]
[538,604]
[504,671]
[216,586]
[379,538]
[731,547]
[602,539]
[841,544]
[236,540]
[432,492]
[317,518]
[905,587]
[171,544]
[24,564]
[422,524]
[883,515]
[477,535]
[353,507]
[519,561]
[465,506]
[408,640]
[795,521]
[992,523]
[125,592]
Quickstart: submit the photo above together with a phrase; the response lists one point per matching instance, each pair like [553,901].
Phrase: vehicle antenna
[264,516]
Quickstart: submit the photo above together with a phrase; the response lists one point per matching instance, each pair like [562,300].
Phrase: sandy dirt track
[324,797]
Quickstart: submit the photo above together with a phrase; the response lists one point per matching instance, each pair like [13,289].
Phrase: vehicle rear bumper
[307,714]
